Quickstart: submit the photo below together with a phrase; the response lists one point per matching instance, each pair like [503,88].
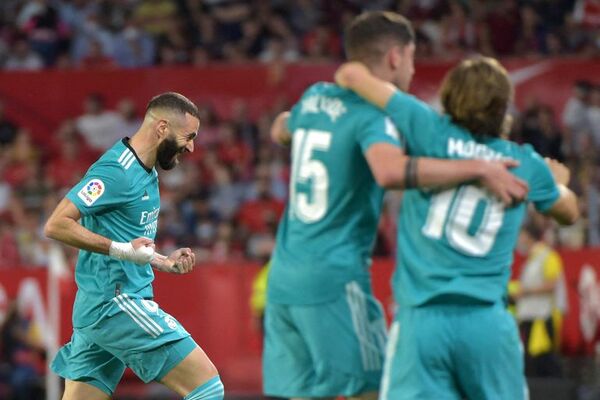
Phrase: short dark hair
[476,94]
[370,35]
[173,102]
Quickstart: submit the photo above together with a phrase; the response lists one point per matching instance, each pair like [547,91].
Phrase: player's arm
[64,227]
[565,210]
[392,169]
[280,133]
[181,261]
[357,77]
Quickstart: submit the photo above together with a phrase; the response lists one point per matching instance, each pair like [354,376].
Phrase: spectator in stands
[9,250]
[539,129]
[531,32]
[67,167]
[593,115]
[23,58]
[22,349]
[98,126]
[47,33]
[134,47]
[91,31]
[155,16]
[23,160]
[95,58]
[575,117]
[540,302]
[129,119]
[8,129]
[256,215]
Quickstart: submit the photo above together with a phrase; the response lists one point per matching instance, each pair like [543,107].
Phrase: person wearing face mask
[112,217]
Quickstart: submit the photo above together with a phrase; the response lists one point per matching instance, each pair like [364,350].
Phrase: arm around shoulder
[280,133]
[357,77]
[566,209]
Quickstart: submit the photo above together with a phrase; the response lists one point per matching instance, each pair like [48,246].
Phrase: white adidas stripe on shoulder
[124,154]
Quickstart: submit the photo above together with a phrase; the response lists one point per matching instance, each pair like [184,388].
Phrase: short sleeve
[415,119]
[377,128]
[543,192]
[102,188]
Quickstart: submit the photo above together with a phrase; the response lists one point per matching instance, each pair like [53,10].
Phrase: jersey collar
[126,143]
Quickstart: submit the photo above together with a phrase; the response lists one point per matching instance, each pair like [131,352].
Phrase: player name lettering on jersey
[472,149]
[149,216]
[332,106]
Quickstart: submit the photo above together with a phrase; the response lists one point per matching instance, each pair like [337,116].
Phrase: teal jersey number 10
[456,209]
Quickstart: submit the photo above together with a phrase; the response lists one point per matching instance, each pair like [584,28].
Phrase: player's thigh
[346,341]
[490,355]
[418,361]
[147,339]
[287,366]
[83,360]
[193,371]
[75,390]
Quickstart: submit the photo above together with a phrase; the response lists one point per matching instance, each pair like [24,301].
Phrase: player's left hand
[183,261]
[501,182]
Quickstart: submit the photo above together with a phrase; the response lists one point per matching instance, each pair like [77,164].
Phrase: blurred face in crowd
[180,135]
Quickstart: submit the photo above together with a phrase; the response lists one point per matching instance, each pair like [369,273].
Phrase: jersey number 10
[305,168]
[459,218]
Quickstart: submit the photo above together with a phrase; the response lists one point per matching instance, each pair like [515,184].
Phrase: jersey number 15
[309,208]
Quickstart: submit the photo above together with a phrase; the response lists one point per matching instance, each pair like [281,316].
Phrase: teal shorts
[130,332]
[453,352]
[324,350]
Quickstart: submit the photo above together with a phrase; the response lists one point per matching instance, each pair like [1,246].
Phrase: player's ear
[162,128]
[394,57]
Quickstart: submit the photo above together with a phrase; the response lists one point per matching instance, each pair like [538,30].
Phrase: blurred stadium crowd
[35,34]
[227,197]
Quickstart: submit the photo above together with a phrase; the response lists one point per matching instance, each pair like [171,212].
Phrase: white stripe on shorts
[389,356]
[142,313]
[369,350]
[118,301]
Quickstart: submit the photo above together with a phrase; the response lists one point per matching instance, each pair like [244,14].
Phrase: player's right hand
[561,173]
[501,182]
[349,72]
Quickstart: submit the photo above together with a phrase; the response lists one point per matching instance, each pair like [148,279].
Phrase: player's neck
[144,148]
[381,72]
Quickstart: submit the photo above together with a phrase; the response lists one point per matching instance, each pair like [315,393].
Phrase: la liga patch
[91,192]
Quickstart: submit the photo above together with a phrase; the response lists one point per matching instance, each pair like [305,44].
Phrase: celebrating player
[324,330]
[116,323]
[452,337]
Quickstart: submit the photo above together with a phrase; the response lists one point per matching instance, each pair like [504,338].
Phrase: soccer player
[452,337]
[116,323]
[324,330]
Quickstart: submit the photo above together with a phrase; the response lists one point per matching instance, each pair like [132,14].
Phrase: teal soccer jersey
[459,241]
[326,234]
[118,198]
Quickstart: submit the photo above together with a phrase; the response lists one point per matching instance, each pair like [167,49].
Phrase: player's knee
[212,389]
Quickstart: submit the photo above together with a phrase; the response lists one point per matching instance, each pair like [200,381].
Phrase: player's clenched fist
[184,260]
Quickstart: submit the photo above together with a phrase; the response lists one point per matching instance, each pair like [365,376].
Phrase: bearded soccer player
[453,337]
[112,216]
[324,330]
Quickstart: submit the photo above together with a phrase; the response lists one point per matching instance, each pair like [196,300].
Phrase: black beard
[166,153]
